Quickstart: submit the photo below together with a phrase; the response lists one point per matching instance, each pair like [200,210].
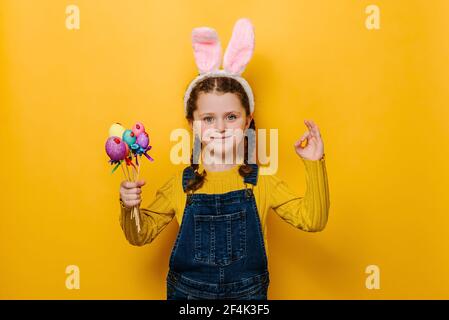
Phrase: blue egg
[129,137]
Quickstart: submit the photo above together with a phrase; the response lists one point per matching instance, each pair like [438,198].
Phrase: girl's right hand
[130,193]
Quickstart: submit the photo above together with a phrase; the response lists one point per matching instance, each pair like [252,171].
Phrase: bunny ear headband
[207,52]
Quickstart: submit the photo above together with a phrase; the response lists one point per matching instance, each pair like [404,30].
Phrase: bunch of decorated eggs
[123,143]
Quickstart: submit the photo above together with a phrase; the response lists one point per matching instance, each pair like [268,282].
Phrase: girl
[221,206]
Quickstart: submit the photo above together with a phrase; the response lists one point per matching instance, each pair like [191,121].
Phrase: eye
[208,119]
[232,117]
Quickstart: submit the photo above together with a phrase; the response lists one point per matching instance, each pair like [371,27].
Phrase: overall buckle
[248,191]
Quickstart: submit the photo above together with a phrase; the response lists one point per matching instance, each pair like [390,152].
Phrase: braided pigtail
[245,169]
[198,179]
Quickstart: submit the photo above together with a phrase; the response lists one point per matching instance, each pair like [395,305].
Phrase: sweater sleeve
[308,213]
[153,218]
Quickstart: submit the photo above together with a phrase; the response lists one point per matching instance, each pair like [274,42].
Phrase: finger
[305,136]
[128,184]
[309,125]
[300,141]
[132,203]
[315,129]
[313,141]
[130,197]
[132,191]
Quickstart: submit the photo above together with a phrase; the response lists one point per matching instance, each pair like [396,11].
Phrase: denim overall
[219,252]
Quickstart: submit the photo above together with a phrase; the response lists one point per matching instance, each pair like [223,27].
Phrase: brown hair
[222,85]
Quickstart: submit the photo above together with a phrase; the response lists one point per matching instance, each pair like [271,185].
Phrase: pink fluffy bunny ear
[206,49]
[240,48]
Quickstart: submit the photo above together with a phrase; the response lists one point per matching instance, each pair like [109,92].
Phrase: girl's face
[222,121]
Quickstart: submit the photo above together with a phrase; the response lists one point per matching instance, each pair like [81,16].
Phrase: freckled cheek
[237,129]
[206,132]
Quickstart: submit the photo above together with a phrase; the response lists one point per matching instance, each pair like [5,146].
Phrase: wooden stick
[123,170]
[138,209]
[134,212]
[134,173]
[138,169]
[136,216]
[127,170]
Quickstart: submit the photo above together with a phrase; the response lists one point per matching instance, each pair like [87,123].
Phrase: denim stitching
[260,231]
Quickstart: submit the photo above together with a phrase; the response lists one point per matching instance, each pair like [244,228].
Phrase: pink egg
[138,128]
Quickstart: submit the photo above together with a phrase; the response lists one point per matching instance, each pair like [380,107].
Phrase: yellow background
[379,97]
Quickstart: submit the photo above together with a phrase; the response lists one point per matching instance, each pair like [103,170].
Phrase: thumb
[140,183]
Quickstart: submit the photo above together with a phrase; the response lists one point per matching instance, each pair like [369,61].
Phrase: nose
[220,126]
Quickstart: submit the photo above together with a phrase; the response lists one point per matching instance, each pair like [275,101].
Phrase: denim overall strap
[187,174]
[252,177]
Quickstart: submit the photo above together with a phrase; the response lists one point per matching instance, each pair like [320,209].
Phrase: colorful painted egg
[138,128]
[115,148]
[116,130]
[129,137]
[143,140]
[127,149]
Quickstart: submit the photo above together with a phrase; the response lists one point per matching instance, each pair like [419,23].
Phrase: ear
[249,118]
[206,49]
[240,48]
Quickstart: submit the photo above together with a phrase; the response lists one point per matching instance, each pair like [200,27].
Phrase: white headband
[207,52]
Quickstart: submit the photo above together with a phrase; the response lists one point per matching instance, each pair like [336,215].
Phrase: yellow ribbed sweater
[308,213]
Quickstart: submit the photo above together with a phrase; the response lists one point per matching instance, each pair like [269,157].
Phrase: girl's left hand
[314,149]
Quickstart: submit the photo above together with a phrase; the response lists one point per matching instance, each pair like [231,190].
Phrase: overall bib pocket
[220,239]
